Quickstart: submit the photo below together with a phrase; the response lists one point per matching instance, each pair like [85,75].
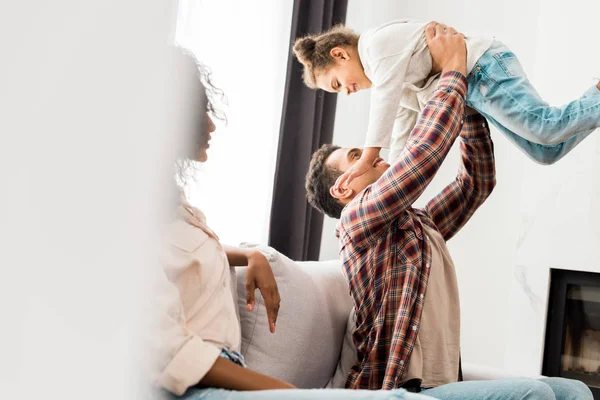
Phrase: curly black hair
[212,98]
[214,95]
[319,178]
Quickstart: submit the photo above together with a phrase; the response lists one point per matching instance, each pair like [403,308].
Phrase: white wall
[559,204]
[485,252]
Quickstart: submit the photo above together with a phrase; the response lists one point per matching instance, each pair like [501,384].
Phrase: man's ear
[339,54]
[341,193]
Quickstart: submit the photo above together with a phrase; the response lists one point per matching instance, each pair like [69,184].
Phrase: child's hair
[313,50]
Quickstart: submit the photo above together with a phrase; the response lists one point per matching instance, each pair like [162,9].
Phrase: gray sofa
[312,346]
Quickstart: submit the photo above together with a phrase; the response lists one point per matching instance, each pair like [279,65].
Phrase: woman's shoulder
[185,236]
[188,231]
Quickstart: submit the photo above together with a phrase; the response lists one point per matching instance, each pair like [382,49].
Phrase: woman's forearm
[237,257]
[228,375]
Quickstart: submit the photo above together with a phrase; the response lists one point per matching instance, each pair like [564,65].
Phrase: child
[394,61]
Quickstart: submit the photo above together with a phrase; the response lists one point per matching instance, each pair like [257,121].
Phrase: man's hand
[447,47]
[260,275]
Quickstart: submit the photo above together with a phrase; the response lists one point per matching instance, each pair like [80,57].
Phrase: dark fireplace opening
[572,348]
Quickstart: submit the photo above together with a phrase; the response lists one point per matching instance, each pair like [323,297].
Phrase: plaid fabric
[386,259]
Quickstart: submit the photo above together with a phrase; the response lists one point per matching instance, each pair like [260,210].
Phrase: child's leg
[498,88]
[540,153]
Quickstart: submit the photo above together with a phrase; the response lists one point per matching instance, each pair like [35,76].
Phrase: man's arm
[403,183]
[455,205]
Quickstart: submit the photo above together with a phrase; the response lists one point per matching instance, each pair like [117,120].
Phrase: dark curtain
[306,123]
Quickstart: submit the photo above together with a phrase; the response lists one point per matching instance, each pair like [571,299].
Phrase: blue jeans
[513,389]
[501,92]
[509,389]
[296,394]
[301,394]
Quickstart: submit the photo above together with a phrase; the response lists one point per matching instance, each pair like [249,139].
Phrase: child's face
[346,75]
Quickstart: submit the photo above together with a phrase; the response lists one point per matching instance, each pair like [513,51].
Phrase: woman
[201,335]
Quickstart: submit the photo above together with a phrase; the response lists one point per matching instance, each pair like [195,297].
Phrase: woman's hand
[260,275]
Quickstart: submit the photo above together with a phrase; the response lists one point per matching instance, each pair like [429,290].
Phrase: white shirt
[397,61]
[197,303]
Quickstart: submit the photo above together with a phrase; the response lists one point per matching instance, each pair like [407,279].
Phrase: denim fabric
[234,356]
[299,394]
[509,389]
[501,92]
[513,389]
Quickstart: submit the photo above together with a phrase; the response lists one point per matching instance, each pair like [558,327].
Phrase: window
[246,45]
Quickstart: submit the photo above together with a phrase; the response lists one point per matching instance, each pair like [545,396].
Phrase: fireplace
[572,347]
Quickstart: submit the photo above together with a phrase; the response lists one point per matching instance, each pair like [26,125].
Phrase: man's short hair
[319,179]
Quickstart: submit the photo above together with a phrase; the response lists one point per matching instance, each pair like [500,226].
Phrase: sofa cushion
[311,324]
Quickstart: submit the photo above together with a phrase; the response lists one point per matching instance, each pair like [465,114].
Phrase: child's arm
[406,119]
[385,99]
[455,205]
[386,92]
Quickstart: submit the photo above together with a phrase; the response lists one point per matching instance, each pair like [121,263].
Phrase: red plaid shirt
[385,255]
